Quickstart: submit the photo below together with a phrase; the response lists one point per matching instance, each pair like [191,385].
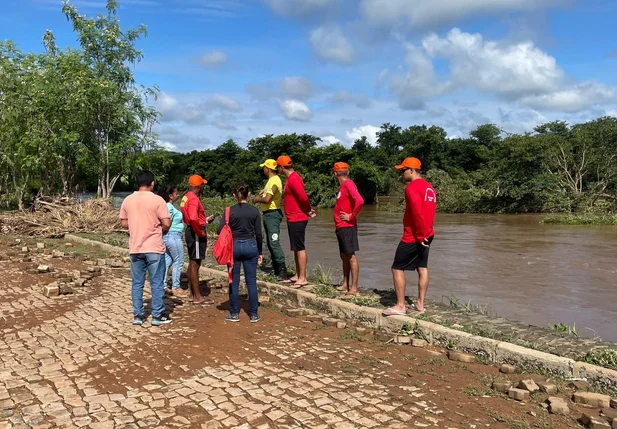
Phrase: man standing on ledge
[194,216]
[146,217]
[348,204]
[297,211]
[418,233]
[270,201]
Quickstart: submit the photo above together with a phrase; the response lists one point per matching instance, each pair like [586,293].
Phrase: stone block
[613,403]
[609,414]
[614,426]
[579,385]
[293,312]
[329,321]
[32,271]
[57,254]
[46,252]
[417,342]
[592,399]
[68,244]
[314,318]
[402,339]
[265,300]
[518,394]
[507,369]
[502,386]
[461,357]
[547,387]
[116,264]
[92,270]
[382,336]
[101,262]
[593,422]
[40,245]
[25,249]
[529,385]
[361,331]
[66,289]
[43,268]
[51,290]
[558,405]
[341,325]
[18,241]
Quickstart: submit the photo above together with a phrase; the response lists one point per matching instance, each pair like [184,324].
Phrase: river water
[521,269]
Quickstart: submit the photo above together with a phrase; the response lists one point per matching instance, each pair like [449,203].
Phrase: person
[349,202]
[270,201]
[297,211]
[245,225]
[194,216]
[174,247]
[146,217]
[412,252]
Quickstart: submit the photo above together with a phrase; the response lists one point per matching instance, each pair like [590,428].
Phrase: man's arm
[193,217]
[265,199]
[417,215]
[297,189]
[163,214]
[125,223]
[165,224]
[357,199]
[124,217]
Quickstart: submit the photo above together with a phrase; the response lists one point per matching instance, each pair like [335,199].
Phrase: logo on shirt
[183,201]
[429,196]
[338,195]
[275,237]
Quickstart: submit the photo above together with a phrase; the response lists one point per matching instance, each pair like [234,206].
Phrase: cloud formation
[295,110]
[329,44]
[300,8]
[213,59]
[222,102]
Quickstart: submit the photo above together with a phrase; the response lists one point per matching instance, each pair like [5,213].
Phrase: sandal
[299,285]
[393,312]
[349,296]
[415,309]
[206,301]
[341,288]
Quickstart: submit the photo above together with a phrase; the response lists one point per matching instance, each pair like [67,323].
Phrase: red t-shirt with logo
[420,205]
[350,201]
[295,200]
[193,213]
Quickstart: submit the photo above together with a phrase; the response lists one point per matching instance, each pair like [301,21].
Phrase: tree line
[76,119]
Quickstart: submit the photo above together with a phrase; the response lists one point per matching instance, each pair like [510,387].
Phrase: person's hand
[345,216]
[255,200]
[210,218]
[312,213]
[425,243]
[260,260]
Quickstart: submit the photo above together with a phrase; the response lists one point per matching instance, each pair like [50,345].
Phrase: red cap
[284,161]
[341,167]
[196,180]
[410,163]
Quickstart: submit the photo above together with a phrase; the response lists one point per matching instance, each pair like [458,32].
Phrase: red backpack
[224,247]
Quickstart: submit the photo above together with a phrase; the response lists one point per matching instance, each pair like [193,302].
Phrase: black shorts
[297,235]
[195,245]
[411,256]
[348,240]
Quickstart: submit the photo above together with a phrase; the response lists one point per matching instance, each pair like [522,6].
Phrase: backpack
[224,247]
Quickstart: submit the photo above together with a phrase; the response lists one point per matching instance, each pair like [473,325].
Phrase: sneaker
[138,320]
[255,318]
[161,320]
[282,277]
[232,318]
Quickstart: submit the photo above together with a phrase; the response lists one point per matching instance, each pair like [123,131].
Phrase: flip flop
[349,296]
[341,288]
[204,302]
[393,312]
[299,285]
[415,309]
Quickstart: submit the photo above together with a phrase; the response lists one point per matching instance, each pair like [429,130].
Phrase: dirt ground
[77,361]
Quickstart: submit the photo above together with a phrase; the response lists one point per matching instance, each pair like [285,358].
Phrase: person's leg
[195,291]
[398,277]
[277,251]
[346,271]
[250,275]
[138,278]
[156,271]
[234,286]
[168,258]
[354,272]
[301,263]
[301,255]
[177,255]
[275,266]
[423,281]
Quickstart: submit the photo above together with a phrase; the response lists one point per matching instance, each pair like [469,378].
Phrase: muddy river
[522,270]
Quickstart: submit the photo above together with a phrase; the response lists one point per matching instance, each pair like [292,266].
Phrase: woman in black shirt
[245,224]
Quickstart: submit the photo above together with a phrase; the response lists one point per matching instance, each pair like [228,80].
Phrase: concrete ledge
[104,246]
[491,351]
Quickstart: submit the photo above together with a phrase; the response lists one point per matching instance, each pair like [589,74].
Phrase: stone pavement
[76,361]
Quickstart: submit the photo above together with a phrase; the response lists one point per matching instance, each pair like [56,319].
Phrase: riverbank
[580,219]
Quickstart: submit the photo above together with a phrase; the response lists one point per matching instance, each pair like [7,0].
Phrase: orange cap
[284,161]
[196,180]
[410,163]
[341,167]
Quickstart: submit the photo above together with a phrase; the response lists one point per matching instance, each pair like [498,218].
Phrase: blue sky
[341,68]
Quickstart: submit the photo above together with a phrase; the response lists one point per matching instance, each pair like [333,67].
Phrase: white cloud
[426,14]
[222,102]
[330,44]
[213,59]
[296,110]
[173,111]
[330,140]
[299,8]
[172,138]
[574,99]
[299,88]
[224,126]
[370,131]
[360,100]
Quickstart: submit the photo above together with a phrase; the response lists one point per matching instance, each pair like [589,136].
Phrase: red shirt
[295,200]
[420,205]
[350,201]
[193,213]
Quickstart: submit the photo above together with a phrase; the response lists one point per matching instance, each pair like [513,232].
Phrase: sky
[339,69]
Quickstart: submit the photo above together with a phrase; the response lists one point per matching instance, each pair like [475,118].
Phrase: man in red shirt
[418,233]
[297,211]
[348,204]
[194,216]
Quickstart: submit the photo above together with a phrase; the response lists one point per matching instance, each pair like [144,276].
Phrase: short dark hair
[144,178]
[166,192]
[242,190]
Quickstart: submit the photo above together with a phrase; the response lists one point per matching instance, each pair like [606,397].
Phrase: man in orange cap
[297,211]
[418,233]
[348,204]
[194,216]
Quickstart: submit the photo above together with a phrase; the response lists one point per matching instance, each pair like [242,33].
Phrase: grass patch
[477,391]
[606,358]
[365,300]
[561,327]
[580,219]
[468,306]
[325,291]
[321,275]
[353,335]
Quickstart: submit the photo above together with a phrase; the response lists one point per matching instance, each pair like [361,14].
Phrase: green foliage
[561,327]
[365,300]
[580,219]
[606,358]
[321,275]
[325,291]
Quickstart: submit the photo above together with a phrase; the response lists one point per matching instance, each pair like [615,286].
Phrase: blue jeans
[154,264]
[245,254]
[174,255]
